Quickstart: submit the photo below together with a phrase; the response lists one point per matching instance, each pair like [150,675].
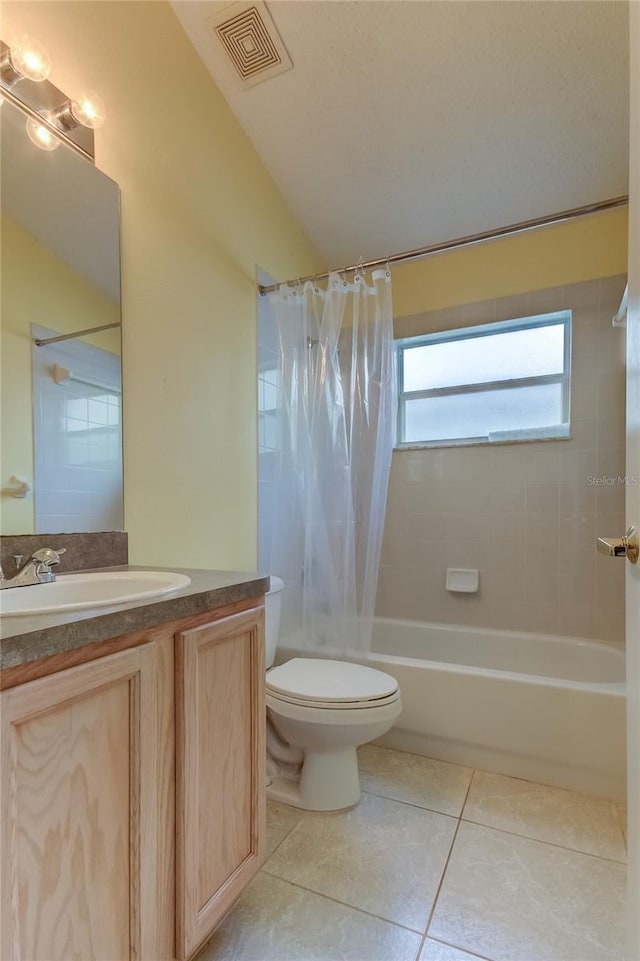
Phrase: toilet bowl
[322,710]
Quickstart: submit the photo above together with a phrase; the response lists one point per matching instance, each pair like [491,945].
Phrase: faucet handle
[47,557]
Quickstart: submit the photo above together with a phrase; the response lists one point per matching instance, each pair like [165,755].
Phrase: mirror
[61,446]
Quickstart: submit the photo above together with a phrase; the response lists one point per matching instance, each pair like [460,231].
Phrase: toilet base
[328,781]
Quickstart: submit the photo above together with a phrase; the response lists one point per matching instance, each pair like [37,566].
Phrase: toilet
[318,712]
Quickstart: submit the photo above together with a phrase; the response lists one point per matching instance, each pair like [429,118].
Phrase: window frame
[553,318]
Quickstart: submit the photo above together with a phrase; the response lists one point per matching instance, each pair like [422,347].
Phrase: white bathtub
[544,708]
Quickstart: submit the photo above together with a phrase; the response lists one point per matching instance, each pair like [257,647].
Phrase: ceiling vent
[249,36]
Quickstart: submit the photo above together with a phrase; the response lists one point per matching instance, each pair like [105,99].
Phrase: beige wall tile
[611,462]
[541,528]
[575,590]
[611,393]
[542,556]
[611,497]
[579,621]
[584,433]
[577,465]
[578,499]
[525,515]
[610,591]
[495,586]
[610,624]
[543,498]
[542,585]
[611,431]
[540,617]
[577,532]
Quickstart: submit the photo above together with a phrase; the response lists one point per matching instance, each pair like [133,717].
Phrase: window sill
[484,442]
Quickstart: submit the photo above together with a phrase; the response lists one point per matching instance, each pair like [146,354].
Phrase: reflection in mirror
[61,403]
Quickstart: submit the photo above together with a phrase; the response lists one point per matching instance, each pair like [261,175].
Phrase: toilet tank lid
[276,585]
[313,679]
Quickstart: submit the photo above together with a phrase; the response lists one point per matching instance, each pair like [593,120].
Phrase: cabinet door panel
[220,769]
[225,763]
[72,841]
[74,747]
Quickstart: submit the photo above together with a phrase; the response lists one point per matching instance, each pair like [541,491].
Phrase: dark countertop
[32,637]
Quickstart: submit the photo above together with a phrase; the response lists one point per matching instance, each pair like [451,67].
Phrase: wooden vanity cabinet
[112,846]
[220,790]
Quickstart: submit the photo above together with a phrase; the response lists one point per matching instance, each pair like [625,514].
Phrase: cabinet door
[220,725]
[87,811]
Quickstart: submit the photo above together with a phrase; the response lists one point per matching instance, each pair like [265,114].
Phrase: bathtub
[535,706]
[545,708]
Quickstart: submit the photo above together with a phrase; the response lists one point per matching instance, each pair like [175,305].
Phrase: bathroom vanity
[132,772]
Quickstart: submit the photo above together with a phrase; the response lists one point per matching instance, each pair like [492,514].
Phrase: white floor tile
[277,921]
[384,857]
[281,820]
[510,898]
[431,784]
[549,814]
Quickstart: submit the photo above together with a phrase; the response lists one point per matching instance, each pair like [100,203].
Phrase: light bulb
[41,136]
[88,109]
[30,59]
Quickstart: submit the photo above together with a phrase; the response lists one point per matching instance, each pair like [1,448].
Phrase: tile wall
[527,515]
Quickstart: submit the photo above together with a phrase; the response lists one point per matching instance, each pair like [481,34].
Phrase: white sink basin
[73,592]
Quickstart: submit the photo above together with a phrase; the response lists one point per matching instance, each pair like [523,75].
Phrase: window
[497,382]
[267,410]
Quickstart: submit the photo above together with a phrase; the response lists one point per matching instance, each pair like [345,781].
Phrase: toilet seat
[333,705]
[331,685]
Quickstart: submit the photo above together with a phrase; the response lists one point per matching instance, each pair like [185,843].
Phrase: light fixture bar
[41,101]
[34,115]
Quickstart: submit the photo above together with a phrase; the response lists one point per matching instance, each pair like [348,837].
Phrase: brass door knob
[626,546]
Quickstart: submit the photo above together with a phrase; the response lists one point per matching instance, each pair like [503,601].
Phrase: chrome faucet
[37,569]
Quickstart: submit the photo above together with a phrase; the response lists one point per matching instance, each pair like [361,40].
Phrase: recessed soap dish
[462,580]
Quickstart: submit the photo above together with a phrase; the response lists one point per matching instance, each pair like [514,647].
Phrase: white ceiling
[406,123]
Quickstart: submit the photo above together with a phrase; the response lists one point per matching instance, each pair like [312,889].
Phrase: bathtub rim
[617,688]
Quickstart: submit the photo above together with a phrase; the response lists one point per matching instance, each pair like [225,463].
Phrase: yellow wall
[593,246]
[199,211]
[37,288]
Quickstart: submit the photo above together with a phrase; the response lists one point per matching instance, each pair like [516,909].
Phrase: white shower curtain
[336,406]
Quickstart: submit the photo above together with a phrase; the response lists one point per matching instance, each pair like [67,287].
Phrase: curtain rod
[42,342]
[468,241]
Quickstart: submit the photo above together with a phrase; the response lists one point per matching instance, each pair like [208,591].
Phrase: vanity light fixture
[42,136]
[53,116]
[86,109]
[25,59]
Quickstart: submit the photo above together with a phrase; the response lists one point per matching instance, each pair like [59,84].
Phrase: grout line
[466,798]
[343,904]
[551,844]
[481,957]
[446,865]
[287,835]
[411,804]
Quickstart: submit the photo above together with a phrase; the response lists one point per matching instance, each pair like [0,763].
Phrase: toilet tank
[272,604]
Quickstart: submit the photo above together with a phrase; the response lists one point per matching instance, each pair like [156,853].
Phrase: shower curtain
[336,407]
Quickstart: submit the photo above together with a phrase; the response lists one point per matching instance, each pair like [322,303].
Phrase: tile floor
[437,863]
